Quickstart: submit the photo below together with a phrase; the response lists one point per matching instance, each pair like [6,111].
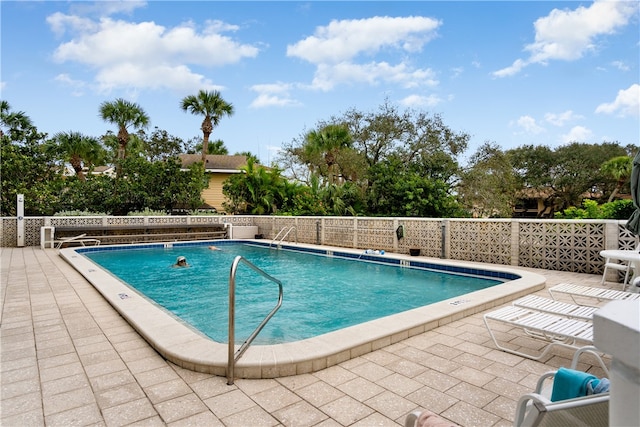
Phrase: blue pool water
[321,294]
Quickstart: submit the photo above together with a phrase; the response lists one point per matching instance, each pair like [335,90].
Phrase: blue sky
[510,72]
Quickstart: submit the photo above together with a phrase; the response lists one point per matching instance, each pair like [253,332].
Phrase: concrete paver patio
[68,358]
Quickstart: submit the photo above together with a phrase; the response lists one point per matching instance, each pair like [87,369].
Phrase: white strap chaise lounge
[585,292]
[76,239]
[551,328]
[547,305]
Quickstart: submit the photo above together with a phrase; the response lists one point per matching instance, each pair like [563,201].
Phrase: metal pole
[232,319]
[20,212]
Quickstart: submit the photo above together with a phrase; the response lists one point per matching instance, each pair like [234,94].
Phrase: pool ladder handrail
[233,358]
[289,230]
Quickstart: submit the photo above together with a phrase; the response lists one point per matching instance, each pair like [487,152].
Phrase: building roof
[214,162]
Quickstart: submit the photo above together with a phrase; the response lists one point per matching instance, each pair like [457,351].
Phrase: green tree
[124,114]
[26,167]
[488,187]
[214,147]
[565,175]
[322,150]
[159,145]
[13,124]
[423,143]
[249,155]
[159,185]
[258,190]
[618,168]
[399,189]
[77,149]
[213,107]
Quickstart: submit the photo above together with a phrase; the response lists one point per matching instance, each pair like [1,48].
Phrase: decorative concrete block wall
[563,245]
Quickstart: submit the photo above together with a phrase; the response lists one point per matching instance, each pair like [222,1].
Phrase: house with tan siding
[218,168]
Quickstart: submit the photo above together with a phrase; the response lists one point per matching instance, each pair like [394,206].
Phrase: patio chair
[534,409]
[538,303]
[537,408]
[555,330]
[600,294]
[76,239]
[618,265]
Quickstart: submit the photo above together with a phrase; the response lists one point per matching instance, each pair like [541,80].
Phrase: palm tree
[328,142]
[124,114]
[77,149]
[15,122]
[215,147]
[618,168]
[212,107]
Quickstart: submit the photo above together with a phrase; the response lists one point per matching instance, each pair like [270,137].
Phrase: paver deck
[68,358]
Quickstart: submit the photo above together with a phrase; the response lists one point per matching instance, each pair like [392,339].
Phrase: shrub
[79,213]
[618,209]
[147,212]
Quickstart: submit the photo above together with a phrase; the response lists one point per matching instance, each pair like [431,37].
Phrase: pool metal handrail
[233,358]
[288,230]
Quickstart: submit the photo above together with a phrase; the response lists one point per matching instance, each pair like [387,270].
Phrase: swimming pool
[182,344]
[321,293]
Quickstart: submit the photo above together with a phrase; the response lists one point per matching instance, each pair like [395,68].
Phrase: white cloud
[577,134]
[421,101]
[273,95]
[562,118]
[343,40]
[147,55]
[456,71]
[78,86]
[627,103]
[328,76]
[569,34]
[61,23]
[131,75]
[515,68]
[528,125]
[335,48]
[106,8]
[620,65]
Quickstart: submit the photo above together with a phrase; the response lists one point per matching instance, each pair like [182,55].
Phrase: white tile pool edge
[185,347]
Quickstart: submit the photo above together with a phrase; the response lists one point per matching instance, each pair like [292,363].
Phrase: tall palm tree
[618,168]
[77,149]
[210,105]
[124,114]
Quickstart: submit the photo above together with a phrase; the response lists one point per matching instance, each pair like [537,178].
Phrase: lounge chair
[537,409]
[554,329]
[76,239]
[546,305]
[600,294]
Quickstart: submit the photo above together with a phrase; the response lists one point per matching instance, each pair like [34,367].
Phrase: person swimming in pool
[214,248]
[181,262]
